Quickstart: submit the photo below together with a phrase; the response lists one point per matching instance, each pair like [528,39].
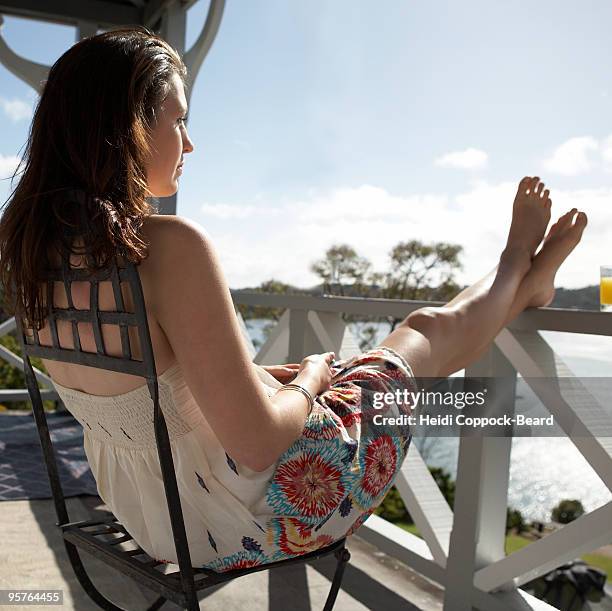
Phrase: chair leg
[100,599]
[88,586]
[158,604]
[193,604]
[343,556]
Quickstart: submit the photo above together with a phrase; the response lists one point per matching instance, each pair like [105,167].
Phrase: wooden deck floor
[32,556]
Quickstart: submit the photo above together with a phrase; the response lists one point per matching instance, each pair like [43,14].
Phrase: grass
[516,542]
[601,562]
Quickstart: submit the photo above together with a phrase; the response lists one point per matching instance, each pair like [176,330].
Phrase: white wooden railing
[462,551]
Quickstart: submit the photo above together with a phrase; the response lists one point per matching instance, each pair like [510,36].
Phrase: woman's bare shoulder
[179,251]
[171,226]
[171,237]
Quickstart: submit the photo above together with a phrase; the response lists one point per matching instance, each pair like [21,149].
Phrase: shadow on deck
[32,556]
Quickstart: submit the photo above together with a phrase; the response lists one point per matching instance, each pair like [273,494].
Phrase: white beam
[401,544]
[30,72]
[583,535]
[173,29]
[461,564]
[200,48]
[551,319]
[107,14]
[17,361]
[495,461]
[154,11]
[85,29]
[426,504]
[7,326]
[276,348]
[481,489]
[298,323]
[325,325]
[563,319]
[575,409]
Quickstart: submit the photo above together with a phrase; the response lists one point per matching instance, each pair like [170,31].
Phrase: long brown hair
[84,163]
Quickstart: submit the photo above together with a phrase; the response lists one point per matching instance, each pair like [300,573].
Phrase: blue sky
[334,121]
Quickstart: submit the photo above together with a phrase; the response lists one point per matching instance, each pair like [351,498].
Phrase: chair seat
[87,534]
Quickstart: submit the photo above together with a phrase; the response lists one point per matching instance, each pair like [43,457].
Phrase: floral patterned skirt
[340,469]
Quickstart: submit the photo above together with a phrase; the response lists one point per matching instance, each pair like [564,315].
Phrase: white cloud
[470,159]
[572,157]
[227,211]
[235,211]
[16,109]
[372,220]
[606,153]
[366,203]
[8,165]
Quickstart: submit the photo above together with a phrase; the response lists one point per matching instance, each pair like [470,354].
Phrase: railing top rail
[541,319]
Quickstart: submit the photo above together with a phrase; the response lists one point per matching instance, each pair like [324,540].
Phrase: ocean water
[543,471]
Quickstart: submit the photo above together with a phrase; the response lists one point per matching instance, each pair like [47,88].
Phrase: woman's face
[169,142]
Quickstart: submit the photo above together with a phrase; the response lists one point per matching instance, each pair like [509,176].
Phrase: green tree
[341,266]
[567,511]
[275,287]
[393,509]
[418,271]
[445,483]
[13,377]
[515,520]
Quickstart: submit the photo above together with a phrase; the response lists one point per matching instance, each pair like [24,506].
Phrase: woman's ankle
[516,259]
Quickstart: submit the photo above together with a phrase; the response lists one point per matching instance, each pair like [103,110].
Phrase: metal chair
[181,586]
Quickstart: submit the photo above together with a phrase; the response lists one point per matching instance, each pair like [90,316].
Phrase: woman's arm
[193,305]
[282,373]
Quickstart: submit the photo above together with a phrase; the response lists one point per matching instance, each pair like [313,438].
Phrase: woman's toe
[566,219]
[581,221]
[533,183]
[577,227]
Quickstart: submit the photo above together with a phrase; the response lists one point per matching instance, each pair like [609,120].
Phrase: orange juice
[605,291]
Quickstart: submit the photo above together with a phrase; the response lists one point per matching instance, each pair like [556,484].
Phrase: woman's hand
[316,368]
[283,373]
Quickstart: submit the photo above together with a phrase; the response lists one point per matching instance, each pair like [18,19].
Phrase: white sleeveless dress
[322,488]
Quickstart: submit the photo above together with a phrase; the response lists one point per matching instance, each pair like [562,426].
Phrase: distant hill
[586,298]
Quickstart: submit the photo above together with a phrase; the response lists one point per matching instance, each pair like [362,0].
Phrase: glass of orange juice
[605,288]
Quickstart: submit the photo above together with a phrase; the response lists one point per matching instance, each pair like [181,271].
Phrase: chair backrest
[31,346]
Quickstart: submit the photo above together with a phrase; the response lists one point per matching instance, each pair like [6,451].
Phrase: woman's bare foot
[537,286]
[530,216]
[562,238]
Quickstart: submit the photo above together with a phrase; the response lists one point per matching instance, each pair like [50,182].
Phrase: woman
[263,475]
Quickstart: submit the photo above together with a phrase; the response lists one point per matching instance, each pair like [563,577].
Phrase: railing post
[481,493]
[298,320]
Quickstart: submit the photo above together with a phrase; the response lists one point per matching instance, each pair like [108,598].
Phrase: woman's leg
[537,288]
[433,340]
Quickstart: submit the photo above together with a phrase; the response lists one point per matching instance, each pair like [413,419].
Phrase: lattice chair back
[31,347]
